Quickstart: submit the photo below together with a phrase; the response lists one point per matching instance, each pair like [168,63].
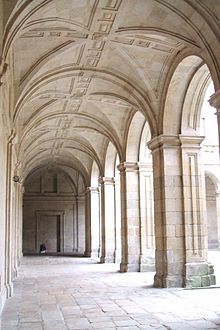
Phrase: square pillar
[130,217]
[108,229]
[87,252]
[180,224]
[199,272]
[169,221]
[95,222]
[147,258]
[215,102]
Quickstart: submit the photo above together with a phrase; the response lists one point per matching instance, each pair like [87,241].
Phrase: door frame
[38,215]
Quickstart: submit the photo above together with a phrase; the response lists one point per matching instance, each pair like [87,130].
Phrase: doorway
[50,231]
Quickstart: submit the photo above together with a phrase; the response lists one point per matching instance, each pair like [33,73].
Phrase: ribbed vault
[82,70]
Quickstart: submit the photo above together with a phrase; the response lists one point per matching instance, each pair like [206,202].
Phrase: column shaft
[88,223]
[147,217]
[180,223]
[95,222]
[169,228]
[107,195]
[130,217]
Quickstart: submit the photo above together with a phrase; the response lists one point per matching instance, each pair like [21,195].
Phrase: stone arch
[144,152]
[133,140]
[185,96]
[110,160]
[176,93]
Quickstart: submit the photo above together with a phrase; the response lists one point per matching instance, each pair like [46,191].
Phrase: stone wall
[3,160]
[211,214]
[52,215]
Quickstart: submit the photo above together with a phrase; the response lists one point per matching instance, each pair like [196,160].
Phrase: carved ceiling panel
[82,68]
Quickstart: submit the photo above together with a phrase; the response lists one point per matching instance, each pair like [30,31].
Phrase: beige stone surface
[108,90]
[95,296]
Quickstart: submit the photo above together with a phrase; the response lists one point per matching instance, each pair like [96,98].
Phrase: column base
[3,297]
[168,281]
[117,256]
[87,254]
[199,275]
[107,260]
[95,254]
[126,267]
[9,289]
[15,272]
[147,263]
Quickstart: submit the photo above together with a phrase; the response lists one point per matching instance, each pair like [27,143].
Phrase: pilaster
[95,221]
[218,215]
[168,210]
[88,223]
[180,224]
[117,220]
[130,217]
[107,196]
[9,221]
[147,257]
[215,102]
[198,271]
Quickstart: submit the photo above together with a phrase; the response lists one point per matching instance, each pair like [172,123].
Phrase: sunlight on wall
[209,129]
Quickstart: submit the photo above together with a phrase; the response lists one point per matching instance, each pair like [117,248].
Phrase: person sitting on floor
[43,248]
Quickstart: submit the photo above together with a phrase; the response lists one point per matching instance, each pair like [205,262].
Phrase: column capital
[163,140]
[92,189]
[106,180]
[191,141]
[214,100]
[173,141]
[145,167]
[128,167]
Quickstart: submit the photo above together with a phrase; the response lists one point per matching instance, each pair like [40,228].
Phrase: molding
[214,100]
[3,69]
[165,141]
[174,141]
[106,180]
[128,167]
[191,141]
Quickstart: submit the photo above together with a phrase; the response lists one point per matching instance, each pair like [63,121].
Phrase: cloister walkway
[56,293]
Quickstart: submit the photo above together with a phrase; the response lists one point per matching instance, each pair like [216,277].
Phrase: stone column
[87,223]
[15,219]
[218,215]
[16,187]
[8,219]
[95,222]
[147,217]
[117,221]
[20,224]
[130,217]
[107,196]
[215,102]
[181,241]
[198,271]
[168,211]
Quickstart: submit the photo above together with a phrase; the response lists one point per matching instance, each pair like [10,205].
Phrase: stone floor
[54,293]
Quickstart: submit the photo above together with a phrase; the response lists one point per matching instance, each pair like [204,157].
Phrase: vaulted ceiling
[83,68]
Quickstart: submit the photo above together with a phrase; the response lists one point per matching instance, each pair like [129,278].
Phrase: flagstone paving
[56,293]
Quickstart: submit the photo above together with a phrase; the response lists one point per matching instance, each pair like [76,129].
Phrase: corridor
[56,293]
